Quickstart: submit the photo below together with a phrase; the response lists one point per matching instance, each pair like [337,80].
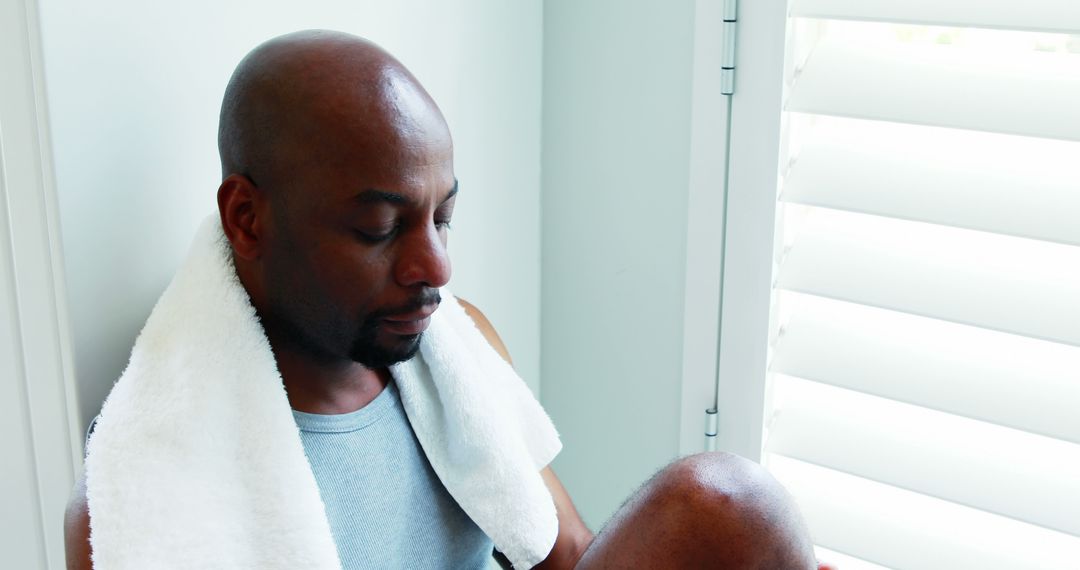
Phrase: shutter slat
[1030,94]
[992,468]
[1026,287]
[1018,382]
[844,561]
[924,367]
[937,175]
[1032,15]
[904,530]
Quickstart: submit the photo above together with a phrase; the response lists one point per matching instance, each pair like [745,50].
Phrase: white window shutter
[924,372]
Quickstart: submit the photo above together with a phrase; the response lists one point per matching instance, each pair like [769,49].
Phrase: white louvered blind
[924,372]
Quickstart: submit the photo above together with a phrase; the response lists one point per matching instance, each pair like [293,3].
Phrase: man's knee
[738,507]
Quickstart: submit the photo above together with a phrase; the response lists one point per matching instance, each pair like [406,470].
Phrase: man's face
[357,250]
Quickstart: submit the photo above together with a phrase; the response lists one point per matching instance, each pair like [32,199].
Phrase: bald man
[338,190]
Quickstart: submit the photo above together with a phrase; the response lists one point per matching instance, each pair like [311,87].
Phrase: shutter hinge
[727,58]
[710,429]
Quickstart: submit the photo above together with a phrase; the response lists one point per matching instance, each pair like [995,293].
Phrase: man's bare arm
[77,528]
[574,537]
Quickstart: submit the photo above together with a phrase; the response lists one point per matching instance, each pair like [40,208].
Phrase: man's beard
[317,339]
[366,350]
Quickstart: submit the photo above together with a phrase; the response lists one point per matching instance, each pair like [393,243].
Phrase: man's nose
[423,259]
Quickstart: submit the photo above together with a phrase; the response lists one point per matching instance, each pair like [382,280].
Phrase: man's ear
[239,204]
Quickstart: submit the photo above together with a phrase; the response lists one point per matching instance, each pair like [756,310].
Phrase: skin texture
[710,510]
[338,189]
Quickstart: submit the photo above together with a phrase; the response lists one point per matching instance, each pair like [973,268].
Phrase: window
[923,380]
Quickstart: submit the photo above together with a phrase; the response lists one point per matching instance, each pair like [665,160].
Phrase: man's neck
[328,388]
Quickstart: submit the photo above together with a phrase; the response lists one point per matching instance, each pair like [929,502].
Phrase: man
[337,197]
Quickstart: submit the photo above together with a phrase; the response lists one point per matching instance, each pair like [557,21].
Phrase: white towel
[196,461]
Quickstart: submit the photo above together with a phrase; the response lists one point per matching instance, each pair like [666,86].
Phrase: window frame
[732,252]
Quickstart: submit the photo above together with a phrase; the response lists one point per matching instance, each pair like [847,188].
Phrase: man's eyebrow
[372,195]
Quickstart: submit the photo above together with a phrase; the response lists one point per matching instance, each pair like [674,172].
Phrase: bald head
[302,97]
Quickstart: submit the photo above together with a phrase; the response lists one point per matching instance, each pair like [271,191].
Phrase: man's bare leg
[710,510]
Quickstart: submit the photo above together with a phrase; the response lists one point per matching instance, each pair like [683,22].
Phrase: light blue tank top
[386,506]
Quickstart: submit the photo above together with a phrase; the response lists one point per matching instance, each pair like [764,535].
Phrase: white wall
[616,156]
[134,89]
[38,442]
[134,92]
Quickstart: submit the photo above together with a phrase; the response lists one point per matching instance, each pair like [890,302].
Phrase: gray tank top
[386,506]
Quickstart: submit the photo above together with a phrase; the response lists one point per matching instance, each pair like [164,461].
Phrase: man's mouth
[411,323]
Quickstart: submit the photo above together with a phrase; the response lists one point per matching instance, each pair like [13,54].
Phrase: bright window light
[924,357]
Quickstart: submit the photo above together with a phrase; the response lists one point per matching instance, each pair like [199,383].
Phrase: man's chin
[381,355]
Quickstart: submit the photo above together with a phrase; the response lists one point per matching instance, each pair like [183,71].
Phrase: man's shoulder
[486,328]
